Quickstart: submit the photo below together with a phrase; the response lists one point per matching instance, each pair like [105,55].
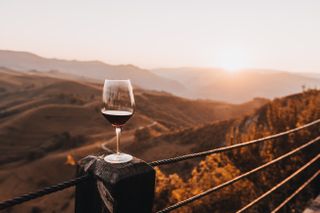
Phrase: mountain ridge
[237,87]
[189,82]
[25,61]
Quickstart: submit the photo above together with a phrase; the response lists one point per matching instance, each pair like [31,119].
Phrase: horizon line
[159,67]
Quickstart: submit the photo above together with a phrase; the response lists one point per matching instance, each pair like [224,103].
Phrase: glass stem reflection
[118,133]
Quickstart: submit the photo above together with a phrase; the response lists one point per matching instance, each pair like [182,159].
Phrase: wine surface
[117,117]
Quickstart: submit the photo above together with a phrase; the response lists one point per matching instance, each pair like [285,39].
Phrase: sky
[231,34]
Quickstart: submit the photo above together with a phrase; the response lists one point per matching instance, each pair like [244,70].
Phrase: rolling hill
[45,118]
[40,113]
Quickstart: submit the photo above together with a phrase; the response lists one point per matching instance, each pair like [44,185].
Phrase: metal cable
[255,170]
[45,191]
[228,148]
[48,190]
[296,192]
[264,195]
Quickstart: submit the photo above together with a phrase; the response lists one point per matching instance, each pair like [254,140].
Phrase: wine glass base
[118,158]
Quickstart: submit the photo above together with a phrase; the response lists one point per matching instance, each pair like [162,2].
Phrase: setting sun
[232,60]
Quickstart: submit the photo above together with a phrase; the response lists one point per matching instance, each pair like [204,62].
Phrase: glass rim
[117,80]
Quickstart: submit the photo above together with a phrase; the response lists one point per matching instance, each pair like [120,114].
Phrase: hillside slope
[44,118]
[277,116]
[40,113]
[174,134]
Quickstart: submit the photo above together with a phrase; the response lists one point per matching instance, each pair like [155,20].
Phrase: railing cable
[45,191]
[296,192]
[72,182]
[264,195]
[228,148]
[253,171]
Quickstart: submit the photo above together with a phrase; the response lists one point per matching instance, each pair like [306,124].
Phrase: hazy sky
[279,34]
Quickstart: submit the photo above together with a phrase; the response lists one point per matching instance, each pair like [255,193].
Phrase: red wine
[117,117]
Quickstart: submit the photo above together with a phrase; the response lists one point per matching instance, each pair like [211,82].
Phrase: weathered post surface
[115,188]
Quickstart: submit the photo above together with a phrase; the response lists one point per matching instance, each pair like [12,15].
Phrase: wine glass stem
[118,133]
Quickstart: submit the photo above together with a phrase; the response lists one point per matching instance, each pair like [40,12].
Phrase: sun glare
[232,61]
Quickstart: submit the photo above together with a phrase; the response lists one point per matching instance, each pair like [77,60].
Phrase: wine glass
[118,108]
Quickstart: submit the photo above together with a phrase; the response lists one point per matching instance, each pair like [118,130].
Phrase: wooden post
[115,188]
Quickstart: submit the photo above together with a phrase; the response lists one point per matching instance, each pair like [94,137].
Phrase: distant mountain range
[239,86]
[311,75]
[204,83]
[24,61]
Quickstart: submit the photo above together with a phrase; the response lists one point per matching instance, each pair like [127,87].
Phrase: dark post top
[115,188]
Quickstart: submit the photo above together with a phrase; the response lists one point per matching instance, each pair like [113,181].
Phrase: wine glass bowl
[118,108]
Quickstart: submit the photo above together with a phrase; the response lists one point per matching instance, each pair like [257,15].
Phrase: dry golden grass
[45,118]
